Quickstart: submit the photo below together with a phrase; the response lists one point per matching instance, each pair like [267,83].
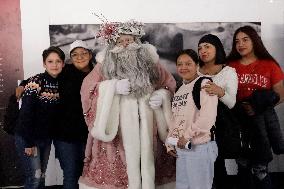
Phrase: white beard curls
[133,63]
[119,49]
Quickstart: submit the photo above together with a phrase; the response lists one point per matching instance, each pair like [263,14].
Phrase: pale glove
[123,87]
[155,101]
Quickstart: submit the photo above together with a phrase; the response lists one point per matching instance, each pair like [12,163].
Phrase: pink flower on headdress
[108,31]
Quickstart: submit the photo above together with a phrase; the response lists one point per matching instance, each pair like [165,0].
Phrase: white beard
[133,63]
[130,47]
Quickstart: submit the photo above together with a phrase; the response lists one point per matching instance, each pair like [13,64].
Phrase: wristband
[173,141]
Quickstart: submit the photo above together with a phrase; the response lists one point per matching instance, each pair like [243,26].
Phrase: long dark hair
[258,47]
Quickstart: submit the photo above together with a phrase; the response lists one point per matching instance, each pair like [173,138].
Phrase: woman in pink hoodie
[189,136]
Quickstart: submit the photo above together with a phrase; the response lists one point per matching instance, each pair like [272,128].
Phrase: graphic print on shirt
[179,102]
[179,132]
[261,74]
[253,79]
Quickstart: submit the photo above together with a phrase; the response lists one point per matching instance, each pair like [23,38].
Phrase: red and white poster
[11,70]
[11,59]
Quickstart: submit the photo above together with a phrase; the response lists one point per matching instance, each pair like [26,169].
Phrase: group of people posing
[123,123]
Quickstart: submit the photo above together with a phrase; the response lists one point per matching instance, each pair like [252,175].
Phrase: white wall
[38,14]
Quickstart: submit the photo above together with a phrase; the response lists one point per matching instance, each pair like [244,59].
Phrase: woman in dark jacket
[70,136]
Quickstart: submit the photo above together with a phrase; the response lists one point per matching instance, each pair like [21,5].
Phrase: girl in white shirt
[212,63]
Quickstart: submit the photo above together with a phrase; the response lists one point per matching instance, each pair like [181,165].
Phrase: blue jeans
[34,166]
[195,167]
[71,157]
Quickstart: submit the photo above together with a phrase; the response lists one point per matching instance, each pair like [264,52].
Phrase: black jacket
[261,131]
[72,125]
[263,102]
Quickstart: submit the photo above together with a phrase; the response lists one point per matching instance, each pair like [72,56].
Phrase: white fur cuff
[163,115]
[107,115]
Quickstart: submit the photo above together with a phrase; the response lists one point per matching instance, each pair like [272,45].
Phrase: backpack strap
[196,98]
[196,91]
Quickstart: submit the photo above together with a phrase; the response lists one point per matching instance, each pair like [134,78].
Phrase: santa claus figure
[126,103]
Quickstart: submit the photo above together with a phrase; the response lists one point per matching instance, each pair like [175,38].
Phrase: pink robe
[105,162]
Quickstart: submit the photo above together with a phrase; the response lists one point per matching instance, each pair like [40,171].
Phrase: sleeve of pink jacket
[166,79]
[89,94]
[206,117]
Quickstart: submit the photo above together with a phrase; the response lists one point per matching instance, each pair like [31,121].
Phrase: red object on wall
[11,58]
[11,70]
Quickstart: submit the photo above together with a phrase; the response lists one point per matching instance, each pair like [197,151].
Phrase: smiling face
[53,64]
[80,58]
[244,44]
[207,52]
[186,67]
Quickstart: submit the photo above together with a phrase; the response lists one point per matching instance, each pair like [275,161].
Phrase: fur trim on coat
[108,104]
[135,120]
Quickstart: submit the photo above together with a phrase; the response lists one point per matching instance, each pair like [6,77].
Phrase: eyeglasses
[77,55]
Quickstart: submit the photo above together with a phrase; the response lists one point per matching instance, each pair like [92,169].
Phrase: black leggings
[220,174]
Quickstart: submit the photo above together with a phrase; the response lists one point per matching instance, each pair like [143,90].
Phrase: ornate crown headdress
[110,31]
